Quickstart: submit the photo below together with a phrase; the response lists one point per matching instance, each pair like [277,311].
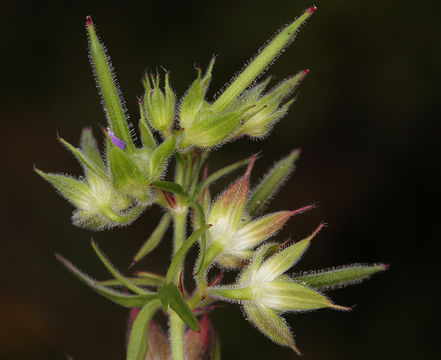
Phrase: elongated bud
[260,62]
[271,183]
[269,109]
[341,276]
[106,84]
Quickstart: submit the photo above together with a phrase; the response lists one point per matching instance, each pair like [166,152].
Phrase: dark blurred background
[366,119]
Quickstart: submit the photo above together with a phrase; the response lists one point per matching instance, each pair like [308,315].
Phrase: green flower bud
[159,107]
[267,109]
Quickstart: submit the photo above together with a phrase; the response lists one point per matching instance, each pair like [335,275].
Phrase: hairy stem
[176,336]
[177,326]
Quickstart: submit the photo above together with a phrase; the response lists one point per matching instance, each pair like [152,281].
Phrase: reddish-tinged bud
[197,342]
[312,9]
[306,72]
[89,21]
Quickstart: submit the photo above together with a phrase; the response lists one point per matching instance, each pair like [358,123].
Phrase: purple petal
[117,141]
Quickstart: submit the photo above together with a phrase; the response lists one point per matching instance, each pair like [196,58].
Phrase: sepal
[338,277]
[270,324]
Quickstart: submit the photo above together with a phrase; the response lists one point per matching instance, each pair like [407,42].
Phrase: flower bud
[233,235]
[159,107]
[266,292]
[267,109]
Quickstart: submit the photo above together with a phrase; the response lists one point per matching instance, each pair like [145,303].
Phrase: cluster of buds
[231,233]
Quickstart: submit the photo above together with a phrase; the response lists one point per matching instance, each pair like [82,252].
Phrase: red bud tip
[131,264]
[339,307]
[385,266]
[306,72]
[89,21]
[312,9]
[302,209]
[251,164]
[139,101]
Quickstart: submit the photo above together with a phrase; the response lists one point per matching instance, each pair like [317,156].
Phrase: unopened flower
[232,237]
[266,292]
[159,107]
[265,110]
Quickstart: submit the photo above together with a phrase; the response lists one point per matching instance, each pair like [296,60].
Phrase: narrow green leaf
[160,156]
[218,174]
[260,62]
[102,67]
[129,301]
[142,281]
[154,279]
[176,263]
[137,346]
[155,238]
[271,183]
[125,281]
[340,276]
[171,296]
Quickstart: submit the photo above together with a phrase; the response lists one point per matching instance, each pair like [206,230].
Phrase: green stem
[177,326]
[177,336]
